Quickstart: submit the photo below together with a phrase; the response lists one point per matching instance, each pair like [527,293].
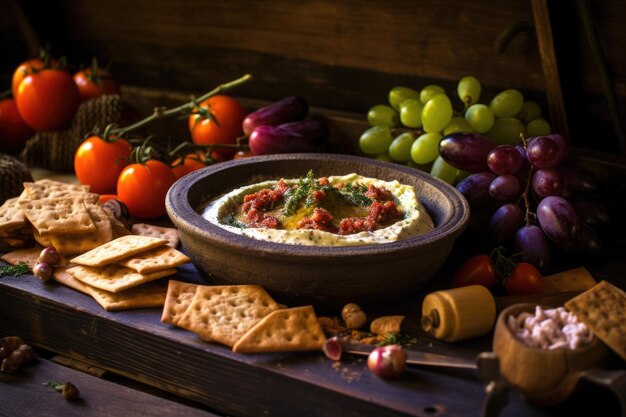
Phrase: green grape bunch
[409,127]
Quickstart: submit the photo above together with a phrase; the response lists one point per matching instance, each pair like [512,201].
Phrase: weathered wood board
[136,345]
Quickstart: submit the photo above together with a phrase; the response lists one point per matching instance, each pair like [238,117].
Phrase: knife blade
[415,357]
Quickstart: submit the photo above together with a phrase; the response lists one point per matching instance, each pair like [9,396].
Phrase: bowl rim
[186,217]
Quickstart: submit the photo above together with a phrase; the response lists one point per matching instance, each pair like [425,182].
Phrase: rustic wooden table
[136,345]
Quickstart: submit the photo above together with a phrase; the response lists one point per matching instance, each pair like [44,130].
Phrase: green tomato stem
[161,112]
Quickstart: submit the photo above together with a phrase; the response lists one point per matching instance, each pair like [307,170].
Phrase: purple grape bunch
[530,196]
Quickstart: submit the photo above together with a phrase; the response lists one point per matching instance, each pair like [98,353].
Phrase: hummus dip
[344,210]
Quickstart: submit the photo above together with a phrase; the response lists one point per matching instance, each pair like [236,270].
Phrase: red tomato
[243,154]
[191,162]
[98,163]
[14,132]
[524,280]
[477,270]
[48,99]
[92,86]
[24,70]
[142,187]
[229,114]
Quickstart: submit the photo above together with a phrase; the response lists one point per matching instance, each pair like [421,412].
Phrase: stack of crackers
[120,274]
[66,216]
[15,231]
[243,317]
[115,266]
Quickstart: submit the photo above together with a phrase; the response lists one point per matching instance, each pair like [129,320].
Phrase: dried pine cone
[13,173]
[55,149]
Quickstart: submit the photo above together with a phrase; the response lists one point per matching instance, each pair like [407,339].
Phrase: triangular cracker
[114,278]
[178,299]
[291,329]
[225,313]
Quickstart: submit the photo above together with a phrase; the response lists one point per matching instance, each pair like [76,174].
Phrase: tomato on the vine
[14,132]
[524,280]
[143,187]
[23,70]
[190,163]
[47,99]
[229,115]
[98,163]
[477,270]
[92,85]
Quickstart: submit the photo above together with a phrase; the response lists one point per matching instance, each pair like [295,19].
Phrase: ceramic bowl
[326,277]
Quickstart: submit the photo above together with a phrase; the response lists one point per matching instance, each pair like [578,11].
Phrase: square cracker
[602,309]
[118,249]
[163,257]
[46,188]
[115,278]
[11,215]
[145,296]
[291,329]
[73,244]
[63,215]
[225,313]
[168,233]
[577,279]
[178,299]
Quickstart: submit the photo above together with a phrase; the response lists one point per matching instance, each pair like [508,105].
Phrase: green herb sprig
[15,270]
[397,339]
[355,194]
[231,221]
[303,191]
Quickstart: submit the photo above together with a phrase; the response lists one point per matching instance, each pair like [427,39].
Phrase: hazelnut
[353,316]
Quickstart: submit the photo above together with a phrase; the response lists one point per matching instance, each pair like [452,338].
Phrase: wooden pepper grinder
[459,313]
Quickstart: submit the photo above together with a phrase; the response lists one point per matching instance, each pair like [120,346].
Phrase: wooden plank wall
[342,55]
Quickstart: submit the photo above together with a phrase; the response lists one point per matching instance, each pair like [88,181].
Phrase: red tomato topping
[265,199]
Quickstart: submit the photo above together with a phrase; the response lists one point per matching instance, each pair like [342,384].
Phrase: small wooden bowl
[327,277]
[544,377]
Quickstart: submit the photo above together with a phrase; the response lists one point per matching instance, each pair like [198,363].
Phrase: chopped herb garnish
[15,270]
[397,339]
[231,221]
[302,191]
[355,194]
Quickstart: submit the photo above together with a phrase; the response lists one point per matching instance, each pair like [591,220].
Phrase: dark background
[341,55]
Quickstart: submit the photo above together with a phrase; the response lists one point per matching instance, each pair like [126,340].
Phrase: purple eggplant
[289,109]
[312,129]
[266,140]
